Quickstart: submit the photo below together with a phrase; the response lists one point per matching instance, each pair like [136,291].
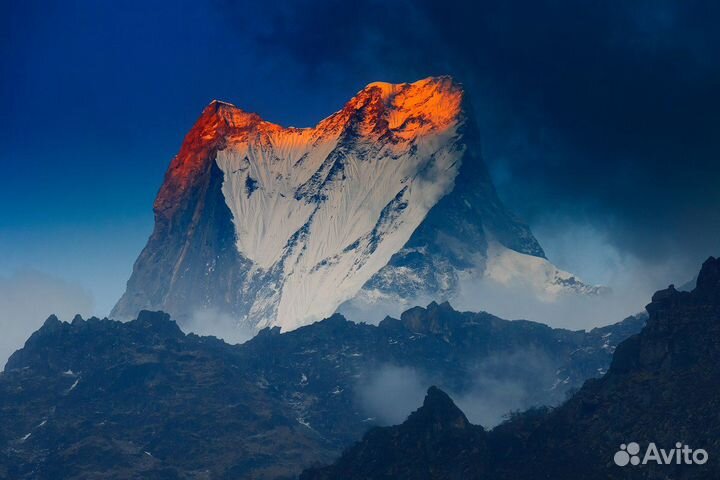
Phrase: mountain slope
[386,200]
[436,441]
[104,399]
[662,388]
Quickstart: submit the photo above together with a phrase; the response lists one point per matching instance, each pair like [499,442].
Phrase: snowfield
[329,207]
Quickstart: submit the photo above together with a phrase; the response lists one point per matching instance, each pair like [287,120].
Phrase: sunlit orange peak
[435,100]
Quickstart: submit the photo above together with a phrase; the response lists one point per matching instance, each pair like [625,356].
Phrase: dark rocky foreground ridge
[105,399]
[663,386]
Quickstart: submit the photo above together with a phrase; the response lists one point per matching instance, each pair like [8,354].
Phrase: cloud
[505,383]
[27,298]
[392,392]
[582,249]
[211,322]
[495,387]
[589,253]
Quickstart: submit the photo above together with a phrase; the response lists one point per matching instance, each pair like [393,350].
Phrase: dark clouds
[592,111]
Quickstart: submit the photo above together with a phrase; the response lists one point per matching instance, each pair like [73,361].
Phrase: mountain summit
[385,201]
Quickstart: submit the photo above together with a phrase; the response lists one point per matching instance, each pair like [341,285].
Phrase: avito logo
[629,454]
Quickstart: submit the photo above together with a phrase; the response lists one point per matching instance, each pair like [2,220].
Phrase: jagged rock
[436,441]
[101,398]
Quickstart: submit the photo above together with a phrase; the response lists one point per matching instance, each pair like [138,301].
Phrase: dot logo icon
[628,454]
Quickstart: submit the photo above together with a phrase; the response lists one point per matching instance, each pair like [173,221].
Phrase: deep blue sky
[95,102]
[601,120]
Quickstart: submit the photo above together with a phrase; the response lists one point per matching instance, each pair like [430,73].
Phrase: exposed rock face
[449,447]
[190,259]
[662,387]
[387,200]
[105,399]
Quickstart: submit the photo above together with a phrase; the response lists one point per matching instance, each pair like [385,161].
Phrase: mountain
[106,399]
[385,202]
[661,389]
[111,400]
[436,441]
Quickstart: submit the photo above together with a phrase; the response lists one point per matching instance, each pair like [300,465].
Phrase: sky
[600,119]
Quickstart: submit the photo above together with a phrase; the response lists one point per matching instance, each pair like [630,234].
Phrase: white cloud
[391,393]
[495,387]
[211,322]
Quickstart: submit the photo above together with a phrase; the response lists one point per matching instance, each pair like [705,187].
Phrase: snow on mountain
[387,199]
[330,217]
[506,267]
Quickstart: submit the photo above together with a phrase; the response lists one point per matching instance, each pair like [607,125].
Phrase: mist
[28,297]
[211,322]
[495,387]
[505,383]
[392,392]
[589,252]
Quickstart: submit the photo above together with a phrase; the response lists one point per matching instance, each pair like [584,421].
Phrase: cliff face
[193,229]
[387,200]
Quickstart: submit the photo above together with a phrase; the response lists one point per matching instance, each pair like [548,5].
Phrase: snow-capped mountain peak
[388,197]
